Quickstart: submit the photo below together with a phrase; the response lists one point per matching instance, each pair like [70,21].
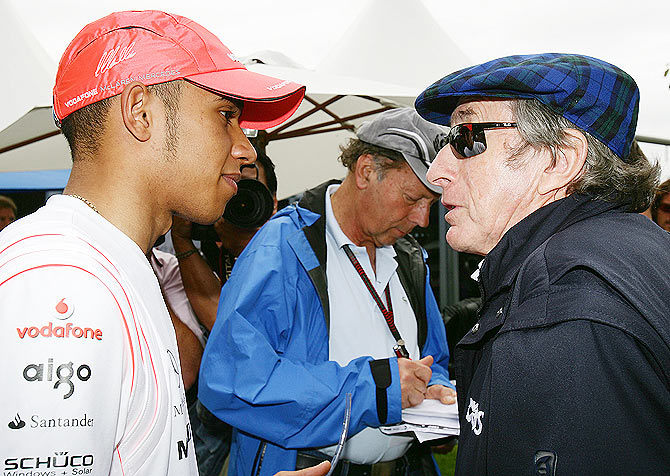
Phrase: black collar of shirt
[502,264]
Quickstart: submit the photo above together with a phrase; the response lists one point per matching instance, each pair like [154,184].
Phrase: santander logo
[111,58]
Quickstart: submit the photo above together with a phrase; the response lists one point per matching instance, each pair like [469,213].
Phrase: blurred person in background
[8,211]
[660,207]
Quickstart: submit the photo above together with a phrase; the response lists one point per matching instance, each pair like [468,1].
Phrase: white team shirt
[90,367]
[358,327]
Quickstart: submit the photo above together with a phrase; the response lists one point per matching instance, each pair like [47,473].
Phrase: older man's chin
[462,243]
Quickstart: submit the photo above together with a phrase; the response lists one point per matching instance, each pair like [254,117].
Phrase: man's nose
[420,215]
[441,170]
[242,149]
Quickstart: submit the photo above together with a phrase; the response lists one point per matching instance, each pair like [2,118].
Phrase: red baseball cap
[155,47]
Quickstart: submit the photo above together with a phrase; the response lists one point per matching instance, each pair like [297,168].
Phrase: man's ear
[568,164]
[275,204]
[364,170]
[136,110]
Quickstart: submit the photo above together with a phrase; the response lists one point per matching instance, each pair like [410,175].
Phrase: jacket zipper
[260,454]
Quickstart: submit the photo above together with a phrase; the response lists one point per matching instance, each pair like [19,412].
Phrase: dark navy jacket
[567,371]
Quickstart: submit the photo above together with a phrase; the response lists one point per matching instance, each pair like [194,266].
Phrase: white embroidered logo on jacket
[474,417]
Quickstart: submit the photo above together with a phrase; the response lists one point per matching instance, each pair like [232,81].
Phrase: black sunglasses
[469,139]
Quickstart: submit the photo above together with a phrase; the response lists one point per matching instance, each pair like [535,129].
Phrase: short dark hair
[385,159]
[269,169]
[85,127]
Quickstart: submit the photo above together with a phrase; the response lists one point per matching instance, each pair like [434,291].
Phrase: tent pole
[29,141]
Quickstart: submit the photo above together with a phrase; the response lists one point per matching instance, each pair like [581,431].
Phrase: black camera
[250,208]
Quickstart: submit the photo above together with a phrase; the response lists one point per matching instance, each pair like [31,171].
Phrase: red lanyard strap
[399,349]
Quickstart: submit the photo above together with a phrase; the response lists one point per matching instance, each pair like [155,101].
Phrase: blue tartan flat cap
[596,96]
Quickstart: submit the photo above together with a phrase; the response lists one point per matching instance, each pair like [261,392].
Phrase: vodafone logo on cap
[63,310]
[111,58]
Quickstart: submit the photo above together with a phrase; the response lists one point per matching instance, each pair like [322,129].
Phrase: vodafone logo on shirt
[62,310]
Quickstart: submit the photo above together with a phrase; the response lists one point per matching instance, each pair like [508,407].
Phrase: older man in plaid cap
[566,370]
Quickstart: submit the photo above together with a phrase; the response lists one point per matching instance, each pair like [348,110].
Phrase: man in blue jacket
[567,370]
[332,297]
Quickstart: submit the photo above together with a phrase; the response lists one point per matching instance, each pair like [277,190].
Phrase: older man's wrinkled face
[395,205]
[485,195]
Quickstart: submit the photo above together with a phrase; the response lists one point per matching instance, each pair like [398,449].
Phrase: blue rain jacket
[265,369]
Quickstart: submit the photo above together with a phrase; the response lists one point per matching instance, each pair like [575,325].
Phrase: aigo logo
[64,374]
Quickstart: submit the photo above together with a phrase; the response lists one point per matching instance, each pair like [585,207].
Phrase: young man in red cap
[152,106]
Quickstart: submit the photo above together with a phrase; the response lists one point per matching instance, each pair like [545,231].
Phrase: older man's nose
[441,172]
[420,215]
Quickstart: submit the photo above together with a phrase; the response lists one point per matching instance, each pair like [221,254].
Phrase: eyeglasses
[469,139]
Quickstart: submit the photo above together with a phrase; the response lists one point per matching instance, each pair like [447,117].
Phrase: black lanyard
[399,349]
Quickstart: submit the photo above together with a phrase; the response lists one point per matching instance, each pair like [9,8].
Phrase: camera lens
[251,207]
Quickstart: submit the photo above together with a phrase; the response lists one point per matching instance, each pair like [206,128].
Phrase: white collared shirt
[358,328]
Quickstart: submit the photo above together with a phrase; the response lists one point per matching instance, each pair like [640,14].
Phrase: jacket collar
[314,199]
[502,264]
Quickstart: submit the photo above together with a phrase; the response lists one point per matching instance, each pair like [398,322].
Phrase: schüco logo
[64,374]
[62,310]
[78,464]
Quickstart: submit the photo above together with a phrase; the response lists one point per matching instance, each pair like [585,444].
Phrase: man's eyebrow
[462,114]
[235,102]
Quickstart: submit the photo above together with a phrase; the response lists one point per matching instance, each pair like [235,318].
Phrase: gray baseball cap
[404,131]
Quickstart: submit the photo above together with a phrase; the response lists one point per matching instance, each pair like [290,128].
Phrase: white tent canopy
[406,46]
[27,72]
[305,148]
[408,52]
[26,115]
[340,95]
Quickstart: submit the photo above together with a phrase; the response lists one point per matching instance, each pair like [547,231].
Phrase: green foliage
[447,462]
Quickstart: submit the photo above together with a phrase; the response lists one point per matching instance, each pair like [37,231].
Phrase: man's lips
[448,206]
[232,179]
